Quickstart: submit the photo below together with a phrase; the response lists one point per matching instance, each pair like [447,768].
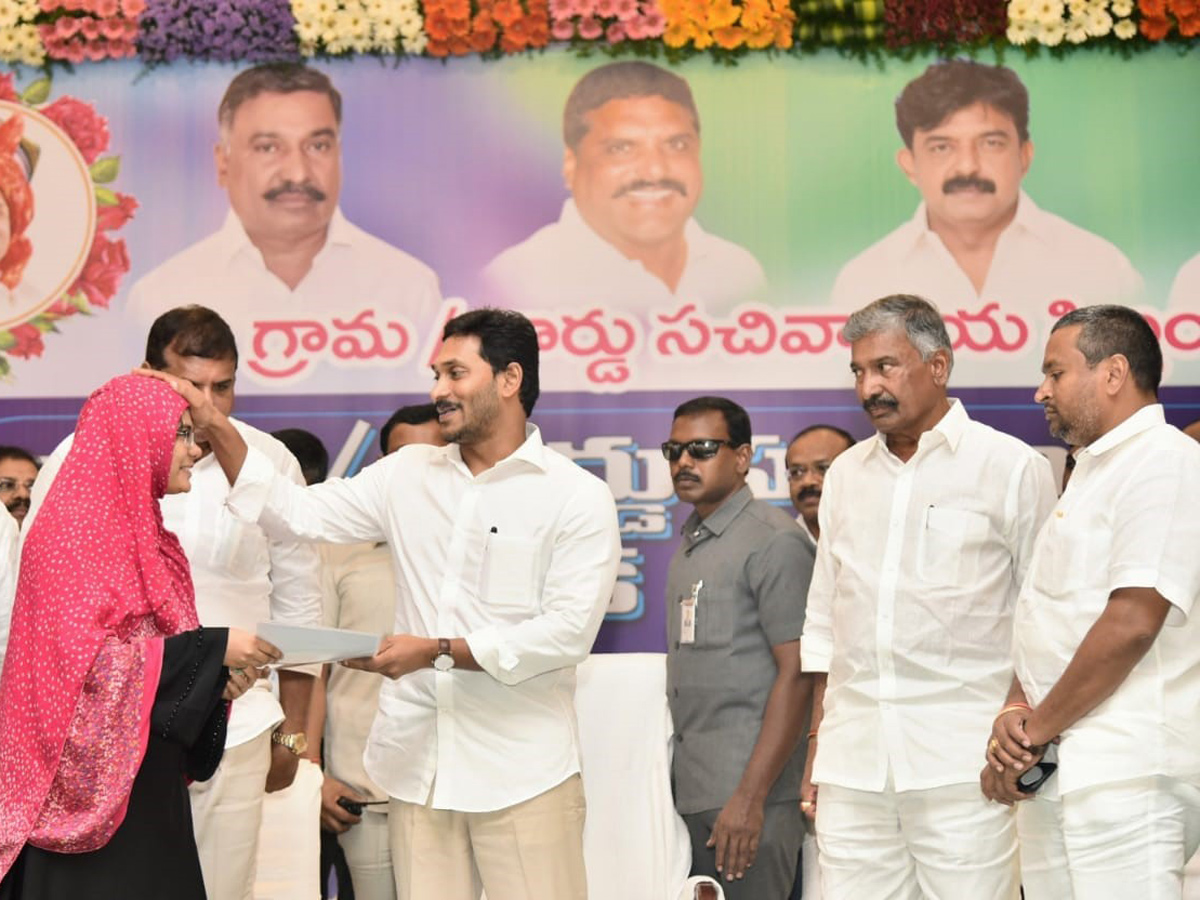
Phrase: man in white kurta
[317,303]
[909,613]
[1106,636]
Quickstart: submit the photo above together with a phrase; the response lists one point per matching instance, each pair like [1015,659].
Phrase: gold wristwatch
[296,743]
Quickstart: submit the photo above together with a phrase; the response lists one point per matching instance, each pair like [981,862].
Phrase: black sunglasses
[704,448]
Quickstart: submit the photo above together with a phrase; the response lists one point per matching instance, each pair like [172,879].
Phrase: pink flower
[615,33]
[589,28]
[28,341]
[96,50]
[606,9]
[635,30]
[133,8]
[105,8]
[583,7]
[113,29]
[654,22]
[122,49]
[87,129]
[7,91]
[562,9]
[90,27]
[562,30]
[626,10]
[106,265]
[66,26]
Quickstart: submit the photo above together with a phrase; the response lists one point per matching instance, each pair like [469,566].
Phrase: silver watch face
[443,662]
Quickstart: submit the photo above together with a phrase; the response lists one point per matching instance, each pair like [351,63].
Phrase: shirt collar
[532,452]
[950,429]
[718,520]
[1143,420]
[235,240]
[1029,217]
[693,235]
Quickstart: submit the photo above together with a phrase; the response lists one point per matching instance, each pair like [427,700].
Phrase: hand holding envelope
[303,644]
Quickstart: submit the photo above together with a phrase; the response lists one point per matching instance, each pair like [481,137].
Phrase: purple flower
[224,31]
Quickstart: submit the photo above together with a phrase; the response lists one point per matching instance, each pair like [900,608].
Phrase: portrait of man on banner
[627,238]
[977,238]
[304,289]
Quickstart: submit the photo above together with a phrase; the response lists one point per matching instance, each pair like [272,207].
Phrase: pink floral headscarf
[101,583]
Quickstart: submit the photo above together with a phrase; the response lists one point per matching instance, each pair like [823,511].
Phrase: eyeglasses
[704,448]
[795,473]
[187,434]
[8,485]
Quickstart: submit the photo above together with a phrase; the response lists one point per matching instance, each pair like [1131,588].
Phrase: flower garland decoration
[107,262]
[489,27]
[78,30]
[359,26]
[19,38]
[217,31]
[841,23]
[942,23]
[728,25]
[614,21]
[1051,22]
[1156,18]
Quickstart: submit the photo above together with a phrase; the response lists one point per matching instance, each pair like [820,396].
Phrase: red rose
[83,125]
[107,263]
[28,341]
[110,218]
[7,92]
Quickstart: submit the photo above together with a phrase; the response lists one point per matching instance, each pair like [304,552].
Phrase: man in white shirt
[626,238]
[808,458]
[926,531]
[10,535]
[242,577]
[287,267]
[977,238]
[505,554]
[1106,637]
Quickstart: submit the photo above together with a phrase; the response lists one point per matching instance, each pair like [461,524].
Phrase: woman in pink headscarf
[111,693]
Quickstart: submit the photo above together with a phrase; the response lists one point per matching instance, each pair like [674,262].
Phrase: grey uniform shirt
[755,565]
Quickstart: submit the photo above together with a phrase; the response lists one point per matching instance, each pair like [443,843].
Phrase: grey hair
[916,316]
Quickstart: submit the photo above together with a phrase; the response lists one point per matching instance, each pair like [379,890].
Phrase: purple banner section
[616,437]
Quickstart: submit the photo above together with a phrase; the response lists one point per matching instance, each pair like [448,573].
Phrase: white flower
[308,31]
[1047,12]
[1076,34]
[1020,9]
[1051,35]
[1122,8]
[1125,29]
[1077,8]
[1098,24]
[1018,32]
[416,44]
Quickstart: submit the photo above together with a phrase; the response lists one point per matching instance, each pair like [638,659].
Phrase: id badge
[688,607]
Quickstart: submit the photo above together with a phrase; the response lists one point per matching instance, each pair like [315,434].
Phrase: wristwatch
[444,661]
[296,743]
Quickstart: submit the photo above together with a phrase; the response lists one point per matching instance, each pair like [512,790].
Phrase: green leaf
[79,302]
[5,368]
[105,197]
[106,169]
[36,93]
[7,341]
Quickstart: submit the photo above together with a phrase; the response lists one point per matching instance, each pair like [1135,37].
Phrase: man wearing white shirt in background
[808,458]
[926,532]
[1107,640]
[626,238]
[242,577]
[286,253]
[505,555]
[977,238]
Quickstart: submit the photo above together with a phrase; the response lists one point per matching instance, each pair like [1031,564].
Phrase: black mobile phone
[1036,775]
[351,806]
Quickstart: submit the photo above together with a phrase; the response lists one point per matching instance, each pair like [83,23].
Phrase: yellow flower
[677,34]
[722,14]
[729,38]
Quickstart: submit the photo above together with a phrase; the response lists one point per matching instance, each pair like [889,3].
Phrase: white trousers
[945,843]
[369,856]
[1124,841]
[289,842]
[227,813]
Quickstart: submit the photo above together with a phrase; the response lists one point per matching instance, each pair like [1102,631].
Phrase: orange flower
[456,9]
[437,26]
[1189,26]
[729,38]
[677,34]
[1153,28]
[722,14]
[507,12]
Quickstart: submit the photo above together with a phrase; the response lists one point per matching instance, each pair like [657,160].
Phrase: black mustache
[684,476]
[443,406]
[807,492]
[668,183]
[966,182]
[22,503]
[880,401]
[293,187]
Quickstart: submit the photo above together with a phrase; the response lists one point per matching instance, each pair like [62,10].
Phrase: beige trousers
[530,851]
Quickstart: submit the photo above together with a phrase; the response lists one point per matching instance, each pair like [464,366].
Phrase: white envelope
[303,644]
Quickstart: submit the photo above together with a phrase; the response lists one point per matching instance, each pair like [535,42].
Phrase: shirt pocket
[239,548]
[950,546]
[1062,563]
[510,576]
[714,618]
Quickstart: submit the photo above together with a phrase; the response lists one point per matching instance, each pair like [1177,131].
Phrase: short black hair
[505,337]
[417,414]
[953,84]
[840,432]
[1106,330]
[737,420]
[190,331]
[10,452]
[275,78]
[309,452]
[618,81]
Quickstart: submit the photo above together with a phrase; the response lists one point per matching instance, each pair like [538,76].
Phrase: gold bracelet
[1011,707]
